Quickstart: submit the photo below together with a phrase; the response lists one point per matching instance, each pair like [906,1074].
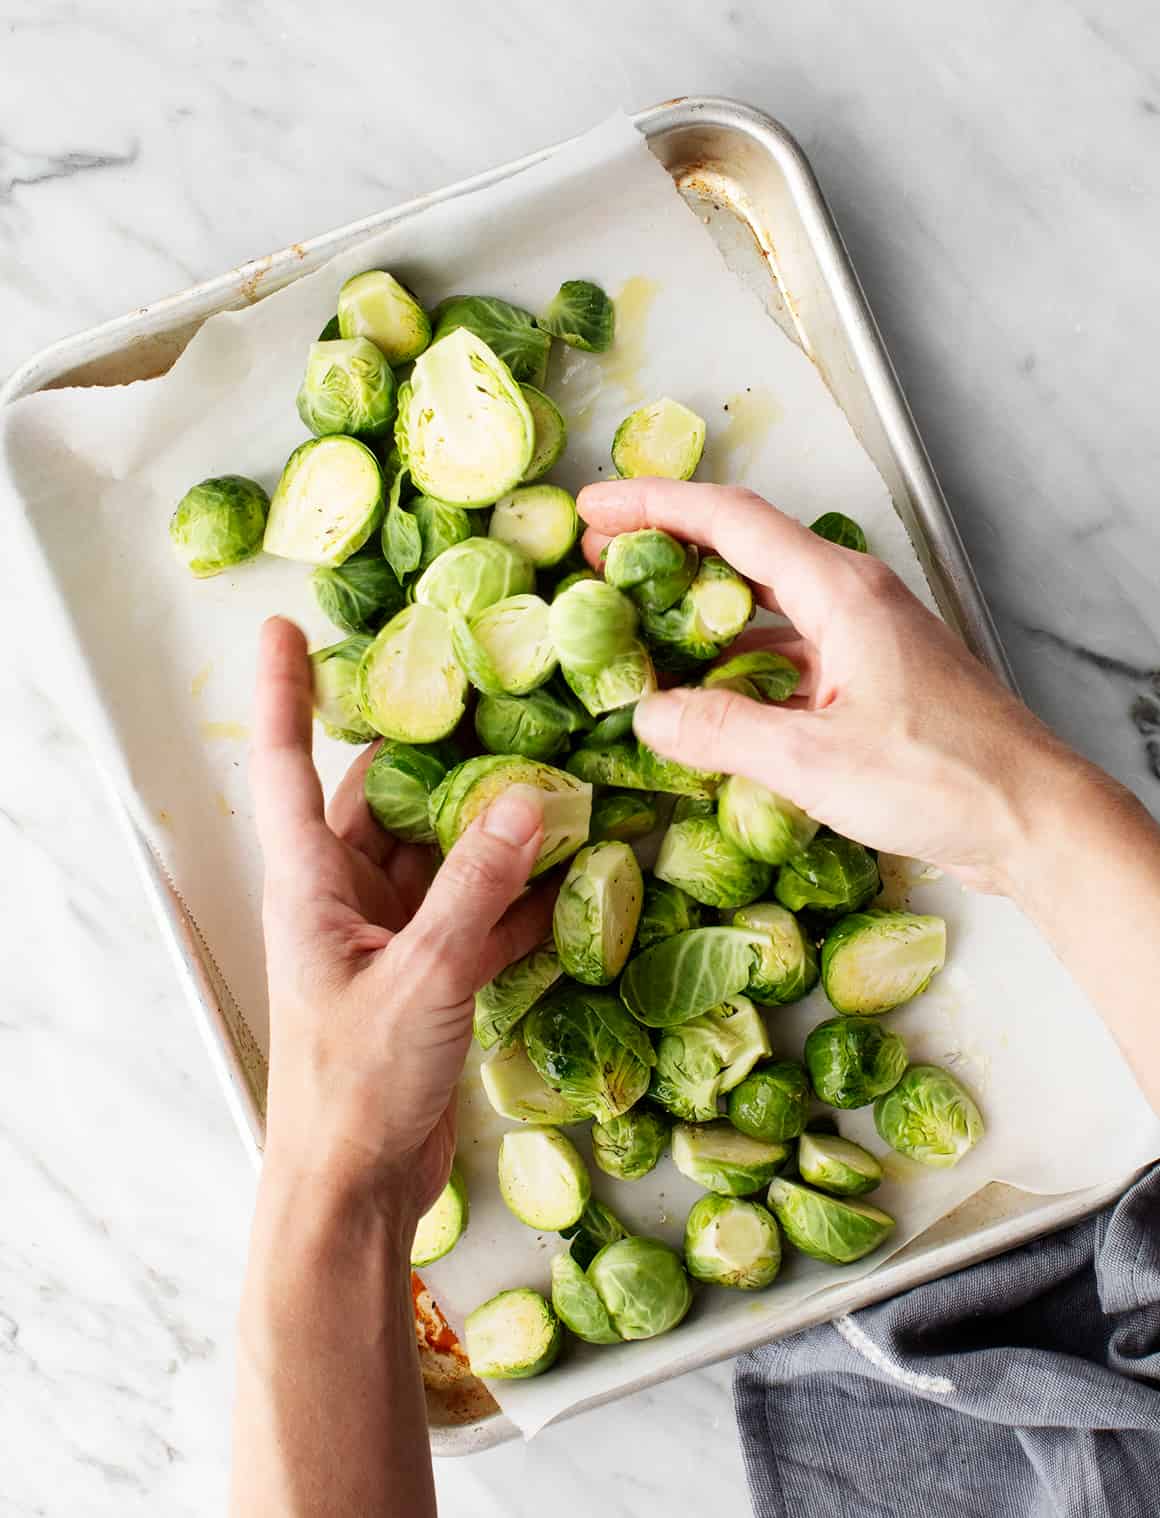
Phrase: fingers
[785,641]
[287,793]
[800,572]
[519,930]
[480,879]
[721,730]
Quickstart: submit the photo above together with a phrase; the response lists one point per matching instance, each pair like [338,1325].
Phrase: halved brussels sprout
[761,823]
[685,973]
[622,815]
[663,438]
[504,1001]
[537,726]
[581,315]
[375,305]
[697,856]
[838,528]
[336,701]
[666,911]
[542,1178]
[830,875]
[513,1336]
[596,912]
[732,1243]
[785,967]
[711,613]
[551,433]
[471,787]
[720,1159]
[469,577]
[440,527]
[575,1038]
[360,595]
[410,685]
[348,388]
[707,1056]
[873,961]
[592,623]
[505,649]
[630,1146]
[771,1103]
[398,785]
[623,681]
[442,1225]
[327,503]
[853,1060]
[836,1165]
[653,568]
[539,520]
[930,1116]
[760,674]
[577,1302]
[466,432]
[508,331]
[643,1286]
[517,1090]
[219,523]
[825,1227]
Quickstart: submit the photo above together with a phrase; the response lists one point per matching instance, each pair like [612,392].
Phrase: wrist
[315,1207]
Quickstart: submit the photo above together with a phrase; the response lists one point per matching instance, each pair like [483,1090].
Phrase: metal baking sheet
[751,184]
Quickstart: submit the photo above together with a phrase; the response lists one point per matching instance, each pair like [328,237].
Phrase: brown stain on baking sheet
[454,1395]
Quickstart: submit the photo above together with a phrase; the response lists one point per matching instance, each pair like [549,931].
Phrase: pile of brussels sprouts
[484,652]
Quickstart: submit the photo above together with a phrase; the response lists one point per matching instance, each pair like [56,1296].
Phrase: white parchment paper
[159,669]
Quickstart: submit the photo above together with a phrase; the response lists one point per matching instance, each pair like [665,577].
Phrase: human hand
[897,736]
[373,958]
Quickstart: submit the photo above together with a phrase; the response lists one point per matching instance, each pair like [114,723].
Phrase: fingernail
[657,717]
[515,817]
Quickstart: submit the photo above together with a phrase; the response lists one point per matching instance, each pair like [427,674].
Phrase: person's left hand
[373,957]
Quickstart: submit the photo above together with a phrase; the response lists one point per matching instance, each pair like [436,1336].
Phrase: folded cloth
[1024,1387]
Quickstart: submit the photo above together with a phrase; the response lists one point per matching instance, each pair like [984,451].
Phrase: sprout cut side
[597,911]
[516,1089]
[218,524]
[836,1165]
[375,305]
[718,1158]
[506,650]
[663,438]
[509,331]
[873,961]
[732,1243]
[513,1336]
[410,685]
[443,1224]
[713,611]
[539,520]
[785,966]
[542,1178]
[470,788]
[327,504]
[622,682]
[550,433]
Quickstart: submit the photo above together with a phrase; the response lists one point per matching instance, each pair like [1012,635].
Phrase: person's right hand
[898,737]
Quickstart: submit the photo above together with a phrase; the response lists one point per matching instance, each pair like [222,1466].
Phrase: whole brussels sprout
[666,910]
[409,684]
[760,674]
[376,306]
[398,784]
[663,438]
[729,1242]
[507,330]
[720,1159]
[597,911]
[471,787]
[684,974]
[336,703]
[537,726]
[471,576]
[930,1116]
[622,682]
[360,595]
[581,315]
[712,612]
[874,961]
[587,1048]
[838,528]
[551,433]
[513,1336]
[836,1165]
[701,1059]
[630,1145]
[643,1286]
[623,815]
[832,875]
[591,625]
[348,388]
[829,1228]
[786,964]
[539,520]
[327,503]
[219,523]
[511,995]
[761,823]
[853,1060]
[697,856]
[653,568]
[771,1103]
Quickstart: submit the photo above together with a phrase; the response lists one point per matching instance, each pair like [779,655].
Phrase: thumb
[483,874]
[725,731]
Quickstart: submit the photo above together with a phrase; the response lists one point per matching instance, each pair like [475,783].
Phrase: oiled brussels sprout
[836,1165]
[336,702]
[653,568]
[376,306]
[710,614]
[537,726]
[873,961]
[219,523]
[398,785]
[772,1102]
[597,911]
[705,1057]
[662,438]
[630,1146]
[505,649]
[729,1242]
[685,973]
[622,682]
[577,1302]
[348,388]
[581,315]
[410,686]
[786,965]
[761,823]
[930,1116]
[697,856]
[831,875]
[586,1047]
[540,520]
[837,527]
[517,1090]
[506,1000]
[542,1178]
[834,1229]
[854,1060]
[470,788]
[720,1159]
[509,331]
[442,1225]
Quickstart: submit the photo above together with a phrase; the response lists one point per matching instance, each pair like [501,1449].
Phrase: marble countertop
[993,171]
